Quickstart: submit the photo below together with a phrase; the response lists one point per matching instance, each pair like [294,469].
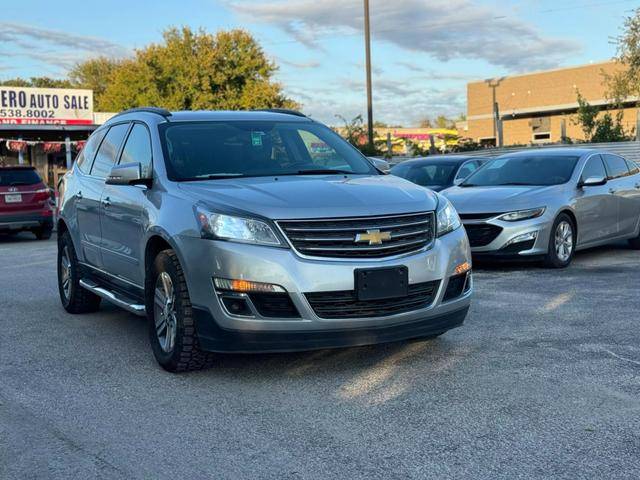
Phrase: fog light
[246,286]
[236,306]
[462,268]
[525,237]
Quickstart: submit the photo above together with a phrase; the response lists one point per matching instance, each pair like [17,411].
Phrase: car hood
[316,196]
[498,199]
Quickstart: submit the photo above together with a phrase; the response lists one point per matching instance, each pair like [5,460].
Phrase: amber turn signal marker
[246,286]
[462,268]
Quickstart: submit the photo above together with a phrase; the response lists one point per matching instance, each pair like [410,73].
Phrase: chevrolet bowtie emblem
[374,237]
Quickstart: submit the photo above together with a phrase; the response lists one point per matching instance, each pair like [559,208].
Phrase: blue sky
[424,51]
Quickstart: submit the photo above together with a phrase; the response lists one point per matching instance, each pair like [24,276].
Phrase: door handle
[79,195]
[612,191]
[637,185]
[106,202]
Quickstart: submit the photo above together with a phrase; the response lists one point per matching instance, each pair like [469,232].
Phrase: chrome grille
[336,237]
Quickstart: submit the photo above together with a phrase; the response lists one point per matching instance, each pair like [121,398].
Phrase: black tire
[75,299]
[635,242]
[184,353]
[553,258]
[43,233]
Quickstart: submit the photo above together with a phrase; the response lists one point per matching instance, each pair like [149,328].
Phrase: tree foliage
[39,82]
[355,132]
[597,127]
[626,82]
[190,71]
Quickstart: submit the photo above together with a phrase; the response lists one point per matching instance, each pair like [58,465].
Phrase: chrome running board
[121,302]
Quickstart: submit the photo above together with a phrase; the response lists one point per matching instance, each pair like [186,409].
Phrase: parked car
[235,232]
[381,164]
[437,172]
[548,203]
[25,202]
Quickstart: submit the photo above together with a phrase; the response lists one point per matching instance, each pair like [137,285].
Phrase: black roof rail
[158,111]
[286,111]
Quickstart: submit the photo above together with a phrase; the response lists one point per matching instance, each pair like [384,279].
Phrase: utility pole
[367,46]
[493,83]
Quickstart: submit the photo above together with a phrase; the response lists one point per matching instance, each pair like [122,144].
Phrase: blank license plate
[382,283]
[15,198]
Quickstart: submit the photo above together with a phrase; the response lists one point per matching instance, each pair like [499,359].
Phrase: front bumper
[25,221]
[500,246]
[204,259]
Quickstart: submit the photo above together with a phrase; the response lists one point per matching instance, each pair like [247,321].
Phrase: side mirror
[380,164]
[127,174]
[592,182]
[458,181]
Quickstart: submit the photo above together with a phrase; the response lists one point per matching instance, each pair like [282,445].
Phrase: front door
[123,213]
[596,207]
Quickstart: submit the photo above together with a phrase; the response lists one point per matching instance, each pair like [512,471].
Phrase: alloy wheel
[564,241]
[65,272]
[165,312]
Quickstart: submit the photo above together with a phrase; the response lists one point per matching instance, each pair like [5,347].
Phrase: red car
[25,202]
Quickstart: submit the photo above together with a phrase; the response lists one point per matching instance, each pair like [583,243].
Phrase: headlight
[522,214]
[447,217]
[238,229]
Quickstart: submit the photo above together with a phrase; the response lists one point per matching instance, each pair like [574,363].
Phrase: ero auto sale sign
[45,106]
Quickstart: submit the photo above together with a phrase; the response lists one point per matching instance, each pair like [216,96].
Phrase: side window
[138,149]
[616,166]
[594,168]
[106,156]
[466,170]
[633,167]
[85,157]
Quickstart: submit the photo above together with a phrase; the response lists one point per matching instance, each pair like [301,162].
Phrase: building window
[541,129]
[487,141]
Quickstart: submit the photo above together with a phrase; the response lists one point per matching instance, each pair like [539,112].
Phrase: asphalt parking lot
[542,381]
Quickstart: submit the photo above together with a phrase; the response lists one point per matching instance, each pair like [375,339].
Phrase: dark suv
[25,202]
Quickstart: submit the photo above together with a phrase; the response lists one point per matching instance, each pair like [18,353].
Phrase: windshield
[205,150]
[524,170]
[427,174]
[18,176]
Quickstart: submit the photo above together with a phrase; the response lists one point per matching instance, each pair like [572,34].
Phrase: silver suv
[251,232]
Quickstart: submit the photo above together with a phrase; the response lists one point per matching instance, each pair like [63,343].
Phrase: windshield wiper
[213,176]
[468,185]
[320,171]
[14,184]
[513,183]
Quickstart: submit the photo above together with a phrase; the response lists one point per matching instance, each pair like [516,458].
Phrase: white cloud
[435,27]
[53,47]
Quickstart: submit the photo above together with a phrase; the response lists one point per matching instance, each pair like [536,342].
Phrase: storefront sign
[47,106]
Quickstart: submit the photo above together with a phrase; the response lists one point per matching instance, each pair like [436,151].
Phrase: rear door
[621,185]
[122,212]
[89,207]
[596,207]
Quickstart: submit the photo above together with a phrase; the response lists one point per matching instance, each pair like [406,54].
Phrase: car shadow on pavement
[22,237]
[597,254]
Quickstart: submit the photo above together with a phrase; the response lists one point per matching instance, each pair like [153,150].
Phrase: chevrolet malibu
[251,232]
[548,203]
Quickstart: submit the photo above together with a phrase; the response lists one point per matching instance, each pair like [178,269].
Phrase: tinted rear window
[9,177]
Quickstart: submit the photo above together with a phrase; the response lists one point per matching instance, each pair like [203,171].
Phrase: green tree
[39,82]
[355,132]
[626,82]
[188,71]
[599,128]
[94,74]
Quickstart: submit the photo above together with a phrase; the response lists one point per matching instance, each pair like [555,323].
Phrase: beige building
[538,107]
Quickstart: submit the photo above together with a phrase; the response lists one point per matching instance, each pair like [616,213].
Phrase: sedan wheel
[564,241]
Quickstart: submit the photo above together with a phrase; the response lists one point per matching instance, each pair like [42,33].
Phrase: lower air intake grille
[345,304]
[481,234]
